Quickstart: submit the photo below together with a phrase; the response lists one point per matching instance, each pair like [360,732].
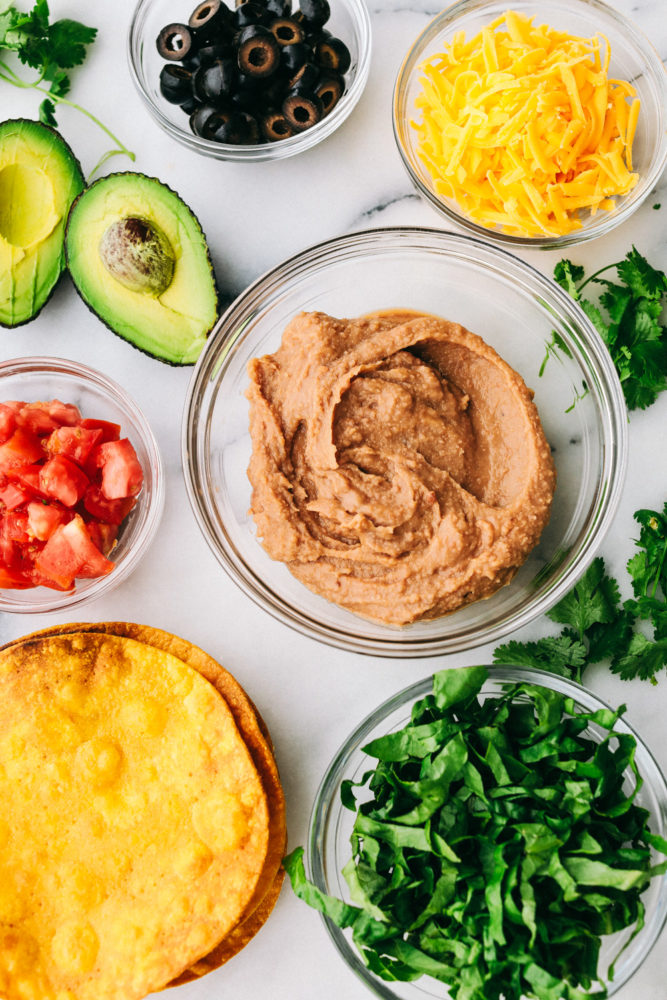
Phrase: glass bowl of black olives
[259,81]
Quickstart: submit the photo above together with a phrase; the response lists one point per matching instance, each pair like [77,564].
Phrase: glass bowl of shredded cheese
[540,124]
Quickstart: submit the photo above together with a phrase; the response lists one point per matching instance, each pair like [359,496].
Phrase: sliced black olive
[302,110]
[251,129]
[286,31]
[208,54]
[331,53]
[306,78]
[211,20]
[175,83]
[200,117]
[190,105]
[274,126]
[174,41]
[294,56]
[237,130]
[316,12]
[251,13]
[216,123]
[278,8]
[330,90]
[215,81]
[248,94]
[258,51]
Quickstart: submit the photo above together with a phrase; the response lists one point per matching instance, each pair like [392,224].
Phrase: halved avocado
[139,260]
[39,179]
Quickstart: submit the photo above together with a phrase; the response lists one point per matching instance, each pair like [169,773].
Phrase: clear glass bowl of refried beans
[404,276]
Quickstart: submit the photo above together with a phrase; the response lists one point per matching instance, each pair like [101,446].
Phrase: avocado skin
[78,177]
[131,177]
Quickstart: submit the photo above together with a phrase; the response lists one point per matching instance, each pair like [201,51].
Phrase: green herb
[627,318]
[51,50]
[494,845]
[598,626]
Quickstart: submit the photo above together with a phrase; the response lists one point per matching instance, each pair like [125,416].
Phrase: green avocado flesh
[139,260]
[39,179]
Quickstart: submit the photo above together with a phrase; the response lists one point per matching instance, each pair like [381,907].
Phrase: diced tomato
[63,480]
[66,484]
[7,422]
[70,552]
[111,511]
[14,526]
[110,431]
[65,414]
[22,448]
[42,418]
[73,442]
[13,496]
[27,476]
[44,518]
[102,535]
[14,580]
[122,475]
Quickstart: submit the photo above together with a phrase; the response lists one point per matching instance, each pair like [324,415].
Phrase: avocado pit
[137,254]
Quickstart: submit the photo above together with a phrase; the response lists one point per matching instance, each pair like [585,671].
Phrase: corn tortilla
[140,825]
[257,739]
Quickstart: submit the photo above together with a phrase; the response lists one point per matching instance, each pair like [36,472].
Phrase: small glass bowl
[97,397]
[516,310]
[350,21]
[331,825]
[633,58]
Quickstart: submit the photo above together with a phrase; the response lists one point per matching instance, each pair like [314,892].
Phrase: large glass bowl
[516,310]
[330,826]
[633,58]
[98,397]
[350,21]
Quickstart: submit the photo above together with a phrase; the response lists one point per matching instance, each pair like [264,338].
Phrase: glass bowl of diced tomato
[81,484]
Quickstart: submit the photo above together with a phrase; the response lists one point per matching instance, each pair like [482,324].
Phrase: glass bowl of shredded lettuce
[488,833]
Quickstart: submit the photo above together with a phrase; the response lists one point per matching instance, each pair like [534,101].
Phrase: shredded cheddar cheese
[523,128]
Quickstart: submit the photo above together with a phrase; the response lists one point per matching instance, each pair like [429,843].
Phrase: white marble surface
[254,216]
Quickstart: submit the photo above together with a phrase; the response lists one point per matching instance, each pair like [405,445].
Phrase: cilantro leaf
[628,318]
[642,658]
[563,654]
[598,626]
[51,50]
[594,599]
[568,276]
[68,41]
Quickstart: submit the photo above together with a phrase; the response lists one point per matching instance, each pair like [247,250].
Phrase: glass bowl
[516,310]
[97,397]
[331,824]
[633,58]
[349,20]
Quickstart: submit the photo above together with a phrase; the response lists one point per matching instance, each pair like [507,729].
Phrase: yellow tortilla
[139,823]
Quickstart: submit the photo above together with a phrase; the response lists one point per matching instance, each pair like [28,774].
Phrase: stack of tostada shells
[143,819]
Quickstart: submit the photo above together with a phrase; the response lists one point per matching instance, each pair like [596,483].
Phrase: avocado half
[139,260]
[39,179]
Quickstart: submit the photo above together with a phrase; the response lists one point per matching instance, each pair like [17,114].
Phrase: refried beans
[399,467]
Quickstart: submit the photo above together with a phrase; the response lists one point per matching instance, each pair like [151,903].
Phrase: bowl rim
[327,800]
[43,365]
[397,642]
[264,150]
[657,73]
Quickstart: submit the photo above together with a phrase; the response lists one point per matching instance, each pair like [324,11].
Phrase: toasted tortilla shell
[140,824]
[257,739]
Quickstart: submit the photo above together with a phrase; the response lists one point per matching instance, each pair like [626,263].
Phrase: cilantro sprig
[598,626]
[628,318]
[494,844]
[51,49]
